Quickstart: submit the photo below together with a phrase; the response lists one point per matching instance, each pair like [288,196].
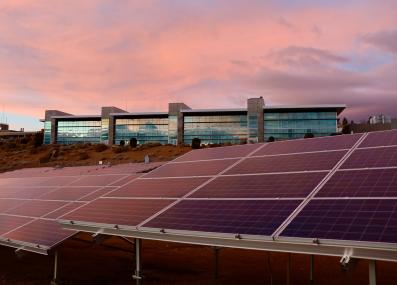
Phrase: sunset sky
[77,56]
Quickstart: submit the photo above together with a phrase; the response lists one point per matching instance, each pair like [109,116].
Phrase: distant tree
[196,143]
[271,139]
[38,139]
[133,142]
[346,128]
[309,136]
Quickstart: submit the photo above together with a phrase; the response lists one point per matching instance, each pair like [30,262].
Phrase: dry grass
[15,155]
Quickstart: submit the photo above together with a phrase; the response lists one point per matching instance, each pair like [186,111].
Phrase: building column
[108,124]
[255,119]
[175,129]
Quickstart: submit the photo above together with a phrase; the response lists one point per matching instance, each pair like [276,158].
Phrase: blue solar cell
[288,163]
[358,220]
[309,145]
[380,139]
[261,186]
[220,216]
[374,157]
[361,183]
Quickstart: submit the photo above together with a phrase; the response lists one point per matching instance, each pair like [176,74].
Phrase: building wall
[78,131]
[215,129]
[294,125]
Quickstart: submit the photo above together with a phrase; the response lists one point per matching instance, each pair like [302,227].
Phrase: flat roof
[139,114]
[78,117]
[338,107]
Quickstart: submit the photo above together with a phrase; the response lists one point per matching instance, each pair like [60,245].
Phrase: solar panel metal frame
[275,242]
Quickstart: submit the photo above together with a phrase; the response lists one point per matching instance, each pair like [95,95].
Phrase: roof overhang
[338,108]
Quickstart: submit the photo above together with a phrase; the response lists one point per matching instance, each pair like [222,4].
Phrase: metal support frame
[138,271]
[372,272]
[216,262]
[269,266]
[55,277]
[311,272]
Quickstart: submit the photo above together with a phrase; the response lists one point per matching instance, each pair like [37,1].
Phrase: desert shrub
[11,145]
[23,141]
[100,147]
[120,149]
[45,157]
[83,156]
[196,142]
[309,136]
[133,142]
[122,143]
[38,139]
[271,139]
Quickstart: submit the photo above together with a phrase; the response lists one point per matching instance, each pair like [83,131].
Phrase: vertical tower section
[255,119]
[175,122]
[108,124]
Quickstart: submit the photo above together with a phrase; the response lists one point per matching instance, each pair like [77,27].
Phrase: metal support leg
[289,269]
[216,262]
[311,276]
[137,276]
[372,272]
[55,278]
[269,265]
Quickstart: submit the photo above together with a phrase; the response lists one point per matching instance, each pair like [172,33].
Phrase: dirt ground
[83,262]
[17,156]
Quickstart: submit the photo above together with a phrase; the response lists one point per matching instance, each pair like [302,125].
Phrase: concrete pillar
[175,117]
[108,124]
[255,119]
[372,272]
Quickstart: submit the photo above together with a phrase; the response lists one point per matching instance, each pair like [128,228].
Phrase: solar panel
[219,152]
[380,139]
[40,232]
[374,157]
[310,145]
[261,186]
[167,187]
[118,211]
[97,193]
[97,180]
[69,193]
[7,204]
[36,208]
[288,163]
[24,193]
[361,183]
[220,216]
[8,223]
[64,210]
[201,168]
[358,220]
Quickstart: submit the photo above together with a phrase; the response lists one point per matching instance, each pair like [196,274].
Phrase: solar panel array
[341,187]
[31,200]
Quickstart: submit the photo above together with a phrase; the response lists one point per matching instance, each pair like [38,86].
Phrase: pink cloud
[78,56]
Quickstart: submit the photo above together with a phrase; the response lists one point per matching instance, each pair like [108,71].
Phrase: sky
[77,56]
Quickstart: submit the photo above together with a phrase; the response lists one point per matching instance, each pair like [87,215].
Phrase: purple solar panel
[361,183]
[261,186]
[36,208]
[64,210]
[7,204]
[167,187]
[97,180]
[219,152]
[309,145]
[98,193]
[125,180]
[374,157]
[24,193]
[220,216]
[69,193]
[129,212]
[202,168]
[58,181]
[380,139]
[8,223]
[40,232]
[357,220]
[288,163]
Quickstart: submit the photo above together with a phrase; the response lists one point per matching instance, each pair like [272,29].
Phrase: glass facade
[78,131]
[283,126]
[172,129]
[215,129]
[105,130]
[47,132]
[253,127]
[145,130]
